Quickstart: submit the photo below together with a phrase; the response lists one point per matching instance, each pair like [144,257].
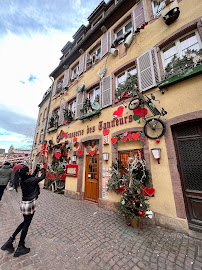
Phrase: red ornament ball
[158,140]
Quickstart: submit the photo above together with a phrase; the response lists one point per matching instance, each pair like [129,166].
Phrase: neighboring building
[15,155]
[101,56]
[2,156]
[41,125]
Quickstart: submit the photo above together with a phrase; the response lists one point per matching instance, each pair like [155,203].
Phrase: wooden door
[92,178]
[188,144]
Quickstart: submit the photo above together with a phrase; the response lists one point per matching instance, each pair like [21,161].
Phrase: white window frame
[126,72]
[123,27]
[77,71]
[93,90]
[178,45]
[71,105]
[159,11]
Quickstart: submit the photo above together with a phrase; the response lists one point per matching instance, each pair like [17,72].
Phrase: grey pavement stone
[78,235]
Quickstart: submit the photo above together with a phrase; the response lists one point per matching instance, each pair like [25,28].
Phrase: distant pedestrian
[16,167]
[30,192]
[6,175]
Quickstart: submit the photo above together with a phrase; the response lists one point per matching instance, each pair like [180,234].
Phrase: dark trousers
[24,226]
[2,188]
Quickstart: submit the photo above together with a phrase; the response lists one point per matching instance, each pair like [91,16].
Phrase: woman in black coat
[30,192]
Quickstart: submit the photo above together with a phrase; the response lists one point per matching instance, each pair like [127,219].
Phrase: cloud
[32,78]
[17,140]
[14,122]
[24,17]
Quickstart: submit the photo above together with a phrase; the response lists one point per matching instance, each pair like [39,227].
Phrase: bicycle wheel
[154,128]
[134,104]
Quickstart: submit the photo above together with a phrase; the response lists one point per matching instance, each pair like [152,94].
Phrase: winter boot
[9,245]
[21,250]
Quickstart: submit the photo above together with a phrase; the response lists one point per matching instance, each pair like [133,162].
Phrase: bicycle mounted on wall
[154,127]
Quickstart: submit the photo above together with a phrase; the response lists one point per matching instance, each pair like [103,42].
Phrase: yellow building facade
[132,38]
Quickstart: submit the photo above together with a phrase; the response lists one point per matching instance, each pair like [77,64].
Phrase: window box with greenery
[91,105]
[68,115]
[53,123]
[182,68]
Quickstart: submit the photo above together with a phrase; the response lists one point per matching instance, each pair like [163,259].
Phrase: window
[120,78]
[44,114]
[60,84]
[125,155]
[180,46]
[96,55]
[93,95]
[36,138]
[97,21]
[79,40]
[72,107]
[41,136]
[157,7]
[39,118]
[75,72]
[125,28]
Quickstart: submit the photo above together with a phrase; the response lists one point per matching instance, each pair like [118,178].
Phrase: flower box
[52,129]
[181,76]
[89,115]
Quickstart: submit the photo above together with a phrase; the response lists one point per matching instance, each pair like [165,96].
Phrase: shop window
[121,78]
[157,7]
[125,155]
[93,96]
[180,46]
[127,27]
[59,86]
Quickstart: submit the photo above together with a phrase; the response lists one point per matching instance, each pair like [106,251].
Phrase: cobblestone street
[71,234]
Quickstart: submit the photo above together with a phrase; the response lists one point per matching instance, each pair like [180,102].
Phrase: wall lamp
[156,152]
[105,156]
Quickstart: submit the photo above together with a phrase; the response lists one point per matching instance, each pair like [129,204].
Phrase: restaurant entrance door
[92,178]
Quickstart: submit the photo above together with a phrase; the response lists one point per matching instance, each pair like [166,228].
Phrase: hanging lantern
[105,156]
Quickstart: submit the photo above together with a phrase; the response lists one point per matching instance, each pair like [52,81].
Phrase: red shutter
[106,91]
[66,78]
[146,74]
[79,104]
[139,15]
[54,88]
[104,45]
[61,114]
[82,63]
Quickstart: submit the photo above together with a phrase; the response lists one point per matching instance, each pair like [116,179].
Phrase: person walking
[30,192]
[6,175]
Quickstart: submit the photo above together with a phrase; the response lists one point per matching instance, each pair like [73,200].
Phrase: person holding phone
[30,191]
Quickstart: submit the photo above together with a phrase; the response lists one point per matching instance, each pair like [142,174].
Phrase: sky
[32,34]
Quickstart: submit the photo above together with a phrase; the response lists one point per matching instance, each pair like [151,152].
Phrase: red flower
[129,202]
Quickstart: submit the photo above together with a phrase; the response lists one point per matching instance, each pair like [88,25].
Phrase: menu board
[71,170]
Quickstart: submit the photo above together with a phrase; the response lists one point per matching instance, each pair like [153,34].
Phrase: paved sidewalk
[71,234]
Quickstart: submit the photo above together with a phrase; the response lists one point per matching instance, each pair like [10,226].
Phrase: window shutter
[156,65]
[66,78]
[104,45]
[146,74]
[79,104]
[54,88]
[82,63]
[139,15]
[109,40]
[61,115]
[100,97]
[106,94]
